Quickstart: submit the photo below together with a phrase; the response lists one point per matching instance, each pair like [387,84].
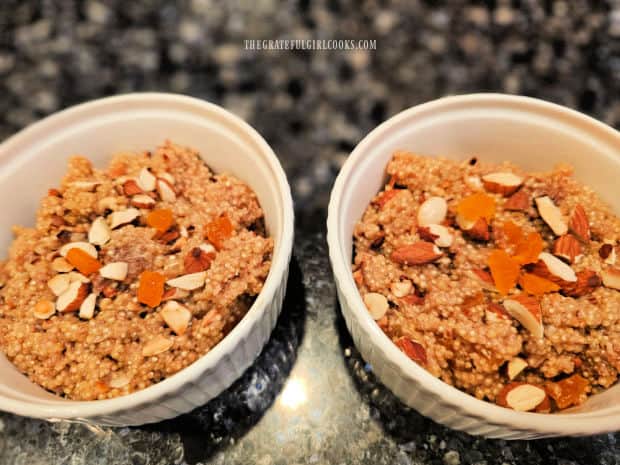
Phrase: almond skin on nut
[502,183]
[579,224]
[72,298]
[479,231]
[552,268]
[419,253]
[519,201]
[130,187]
[413,349]
[197,260]
[522,397]
[567,248]
[587,281]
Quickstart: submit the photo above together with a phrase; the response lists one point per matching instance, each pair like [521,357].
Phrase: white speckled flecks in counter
[309,398]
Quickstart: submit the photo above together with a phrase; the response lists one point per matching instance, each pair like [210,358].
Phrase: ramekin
[536,135]
[35,159]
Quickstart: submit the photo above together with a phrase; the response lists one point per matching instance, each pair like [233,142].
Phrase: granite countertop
[309,398]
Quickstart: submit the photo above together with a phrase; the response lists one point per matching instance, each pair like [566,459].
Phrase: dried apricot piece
[512,232]
[218,230]
[569,391]
[504,269]
[478,205]
[529,249]
[533,284]
[160,219]
[413,349]
[151,288]
[84,263]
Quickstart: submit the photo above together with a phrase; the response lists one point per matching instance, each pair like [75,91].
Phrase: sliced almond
[61,265]
[189,282]
[479,231]
[377,304]
[526,310]
[557,268]
[551,215]
[519,201]
[436,233]
[122,217]
[587,282]
[579,224]
[130,187]
[515,367]
[432,211]
[167,176]
[401,288]
[116,271]
[85,246]
[504,183]
[74,276]
[59,283]
[99,232]
[87,309]
[174,294]
[157,345]
[72,298]
[119,380]
[166,191]
[611,278]
[146,180]
[85,185]
[176,316]
[416,254]
[568,248]
[525,397]
[44,309]
[142,201]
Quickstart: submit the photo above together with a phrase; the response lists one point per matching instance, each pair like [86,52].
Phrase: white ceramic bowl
[36,158]
[536,135]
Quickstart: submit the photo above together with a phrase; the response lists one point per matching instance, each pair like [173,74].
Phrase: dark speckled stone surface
[309,398]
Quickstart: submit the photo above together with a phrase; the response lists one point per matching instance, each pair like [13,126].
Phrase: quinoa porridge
[502,283]
[131,273]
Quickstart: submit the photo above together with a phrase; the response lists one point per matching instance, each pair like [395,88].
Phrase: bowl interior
[36,159]
[531,133]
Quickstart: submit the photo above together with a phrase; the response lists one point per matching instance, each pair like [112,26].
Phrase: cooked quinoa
[453,297]
[95,305]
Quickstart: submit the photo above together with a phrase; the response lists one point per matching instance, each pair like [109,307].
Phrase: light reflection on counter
[294,394]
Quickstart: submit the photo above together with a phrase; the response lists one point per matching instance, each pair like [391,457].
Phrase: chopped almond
[72,298]
[587,282]
[526,310]
[432,211]
[166,191]
[116,271]
[519,201]
[552,215]
[146,180]
[579,224]
[504,183]
[189,282]
[99,232]
[176,316]
[120,218]
[377,305]
[156,346]
[419,253]
[130,187]
[567,248]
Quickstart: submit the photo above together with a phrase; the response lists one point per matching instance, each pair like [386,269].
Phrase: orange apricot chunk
[160,219]
[151,288]
[478,205]
[529,249]
[514,234]
[504,269]
[84,263]
[569,391]
[535,285]
[218,230]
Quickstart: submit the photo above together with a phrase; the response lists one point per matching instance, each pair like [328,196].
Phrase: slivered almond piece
[484,278]
[587,281]
[146,180]
[157,345]
[176,316]
[413,349]
[552,215]
[87,309]
[59,283]
[44,309]
[479,231]
[174,293]
[99,232]
[84,246]
[611,278]
[130,187]
[72,298]
[85,185]
[524,397]
[166,191]
[123,217]
[74,276]
[416,254]
[189,282]
[579,224]
[401,288]
[568,248]
[497,310]
[502,183]
[526,310]
[557,268]
[142,201]
[119,380]
[436,233]
[515,367]
[519,201]
[167,176]
[432,211]
[116,271]
[61,265]
[377,305]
